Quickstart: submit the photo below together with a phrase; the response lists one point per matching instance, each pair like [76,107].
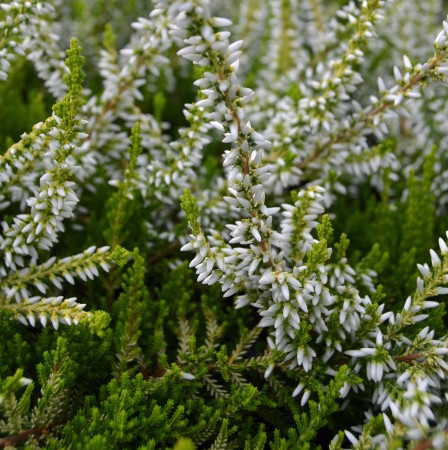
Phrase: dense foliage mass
[220,224]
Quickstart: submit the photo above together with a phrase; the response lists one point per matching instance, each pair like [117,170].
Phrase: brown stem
[237,119]
[408,358]
[24,435]
[424,445]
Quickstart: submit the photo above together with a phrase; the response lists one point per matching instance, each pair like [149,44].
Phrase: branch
[24,435]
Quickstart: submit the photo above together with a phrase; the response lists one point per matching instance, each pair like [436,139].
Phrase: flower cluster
[287,276]
[50,147]
[28,30]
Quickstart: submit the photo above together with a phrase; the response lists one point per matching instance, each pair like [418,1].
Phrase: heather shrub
[223,224]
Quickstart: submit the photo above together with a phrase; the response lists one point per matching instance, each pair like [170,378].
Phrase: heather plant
[223,226]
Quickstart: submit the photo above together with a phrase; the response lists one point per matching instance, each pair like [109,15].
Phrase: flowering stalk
[56,198]
[38,230]
[83,265]
[297,300]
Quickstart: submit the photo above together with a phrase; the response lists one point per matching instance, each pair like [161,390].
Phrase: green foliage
[21,421]
[68,107]
[130,304]
[122,206]
[191,210]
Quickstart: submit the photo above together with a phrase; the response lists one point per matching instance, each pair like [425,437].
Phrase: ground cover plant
[223,224]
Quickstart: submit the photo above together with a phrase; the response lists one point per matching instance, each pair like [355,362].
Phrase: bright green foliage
[130,305]
[67,108]
[191,210]
[23,423]
[122,205]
